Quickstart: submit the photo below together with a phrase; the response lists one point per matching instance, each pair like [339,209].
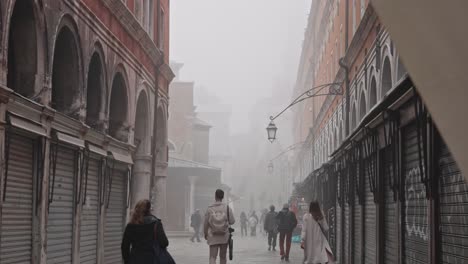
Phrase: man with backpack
[286,223]
[218,218]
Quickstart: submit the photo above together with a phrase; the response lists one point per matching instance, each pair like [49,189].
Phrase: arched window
[362,105]
[141,125]
[118,127]
[353,118]
[363,7]
[95,87]
[354,16]
[66,74]
[401,69]
[22,49]
[386,77]
[373,93]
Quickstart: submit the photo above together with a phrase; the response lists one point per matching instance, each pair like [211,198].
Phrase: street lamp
[334,89]
[271,130]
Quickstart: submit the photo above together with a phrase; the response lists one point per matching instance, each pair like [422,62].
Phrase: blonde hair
[142,209]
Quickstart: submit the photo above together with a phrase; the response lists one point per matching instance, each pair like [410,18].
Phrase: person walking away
[313,239]
[271,228]
[195,223]
[262,221]
[253,221]
[216,228]
[142,233]
[243,221]
[286,223]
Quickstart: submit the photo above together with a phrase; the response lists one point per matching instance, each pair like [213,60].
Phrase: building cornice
[134,29]
[167,72]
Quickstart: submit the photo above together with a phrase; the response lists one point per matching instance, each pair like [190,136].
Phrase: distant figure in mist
[195,223]
[262,220]
[271,228]
[218,218]
[313,239]
[244,222]
[253,222]
[286,223]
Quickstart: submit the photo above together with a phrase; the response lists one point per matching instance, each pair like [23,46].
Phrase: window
[139,11]
[363,7]
[354,16]
[161,30]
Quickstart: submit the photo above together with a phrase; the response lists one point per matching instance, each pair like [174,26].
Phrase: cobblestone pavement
[246,251]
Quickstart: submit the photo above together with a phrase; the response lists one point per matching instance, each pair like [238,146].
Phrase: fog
[242,57]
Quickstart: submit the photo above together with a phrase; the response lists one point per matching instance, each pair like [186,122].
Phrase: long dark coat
[138,241]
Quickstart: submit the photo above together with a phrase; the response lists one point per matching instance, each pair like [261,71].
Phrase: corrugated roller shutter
[390,216]
[115,218]
[357,223]
[416,235]
[60,221]
[17,211]
[370,222]
[346,234]
[339,241]
[90,216]
[453,201]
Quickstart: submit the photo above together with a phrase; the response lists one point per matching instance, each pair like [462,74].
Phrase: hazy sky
[238,49]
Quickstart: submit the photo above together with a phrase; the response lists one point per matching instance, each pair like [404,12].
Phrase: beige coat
[315,242]
[213,239]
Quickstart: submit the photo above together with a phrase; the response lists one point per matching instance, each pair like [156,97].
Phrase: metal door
[453,201]
[115,217]
[346,233]
[90,214]
[415,207]
[357,217]
[390,210]
[17,211]
[339,241]
[370,221]
[60,221]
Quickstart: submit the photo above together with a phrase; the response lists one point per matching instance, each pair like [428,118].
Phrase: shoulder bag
[161,255]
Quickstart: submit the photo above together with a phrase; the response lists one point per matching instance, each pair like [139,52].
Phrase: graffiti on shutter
[416,235]
[17,211]
[453,201]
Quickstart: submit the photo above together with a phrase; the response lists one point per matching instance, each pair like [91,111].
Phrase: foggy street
[246,251]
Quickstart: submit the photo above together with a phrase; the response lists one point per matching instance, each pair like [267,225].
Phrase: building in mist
[374,158]
[81,85]
[192,180]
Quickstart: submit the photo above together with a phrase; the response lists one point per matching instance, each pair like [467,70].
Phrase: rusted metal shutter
[17,211]
[90,214]
[453,201]
[390,216]
[357,218]
[415,222]
[61,210]
[115,217]
[370,221]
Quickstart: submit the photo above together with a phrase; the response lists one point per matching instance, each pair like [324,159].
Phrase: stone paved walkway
[246,251]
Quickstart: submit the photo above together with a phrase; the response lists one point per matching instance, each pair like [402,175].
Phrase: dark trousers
[284,235]
[244,230]
[196,234]
[272,235]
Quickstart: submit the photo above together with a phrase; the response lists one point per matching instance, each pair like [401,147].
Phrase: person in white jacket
[315,244]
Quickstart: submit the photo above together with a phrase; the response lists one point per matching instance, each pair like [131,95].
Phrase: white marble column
[141,178]
[158,191]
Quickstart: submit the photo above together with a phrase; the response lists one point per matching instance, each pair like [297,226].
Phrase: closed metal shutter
[115,218]
[453,202]
[390,216]
[370,222]
[346,234]
[17,211]
[339,241]
[415,222]
[90,215]
[60,221]
[357,238]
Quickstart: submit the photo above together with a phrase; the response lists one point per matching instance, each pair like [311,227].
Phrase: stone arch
[67,70]
[118,106]
[362,105]
[161,134]
[386,82]
[25,49]
[401,69]
[96,88]
[353,117]
[142,124]
[372,92]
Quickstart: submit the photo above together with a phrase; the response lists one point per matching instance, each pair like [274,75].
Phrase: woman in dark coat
[143,231]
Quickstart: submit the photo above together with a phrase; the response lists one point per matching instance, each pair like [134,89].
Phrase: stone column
[158,192]
[192,180]
[141,178]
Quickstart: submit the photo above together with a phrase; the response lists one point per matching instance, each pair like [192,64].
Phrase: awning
[70,140]
[121,157]
[97,150]
[29,126]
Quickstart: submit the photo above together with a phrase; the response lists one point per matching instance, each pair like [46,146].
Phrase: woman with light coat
[315,244]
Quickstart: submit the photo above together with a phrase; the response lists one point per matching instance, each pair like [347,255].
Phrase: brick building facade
[83,110]
[390,188]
